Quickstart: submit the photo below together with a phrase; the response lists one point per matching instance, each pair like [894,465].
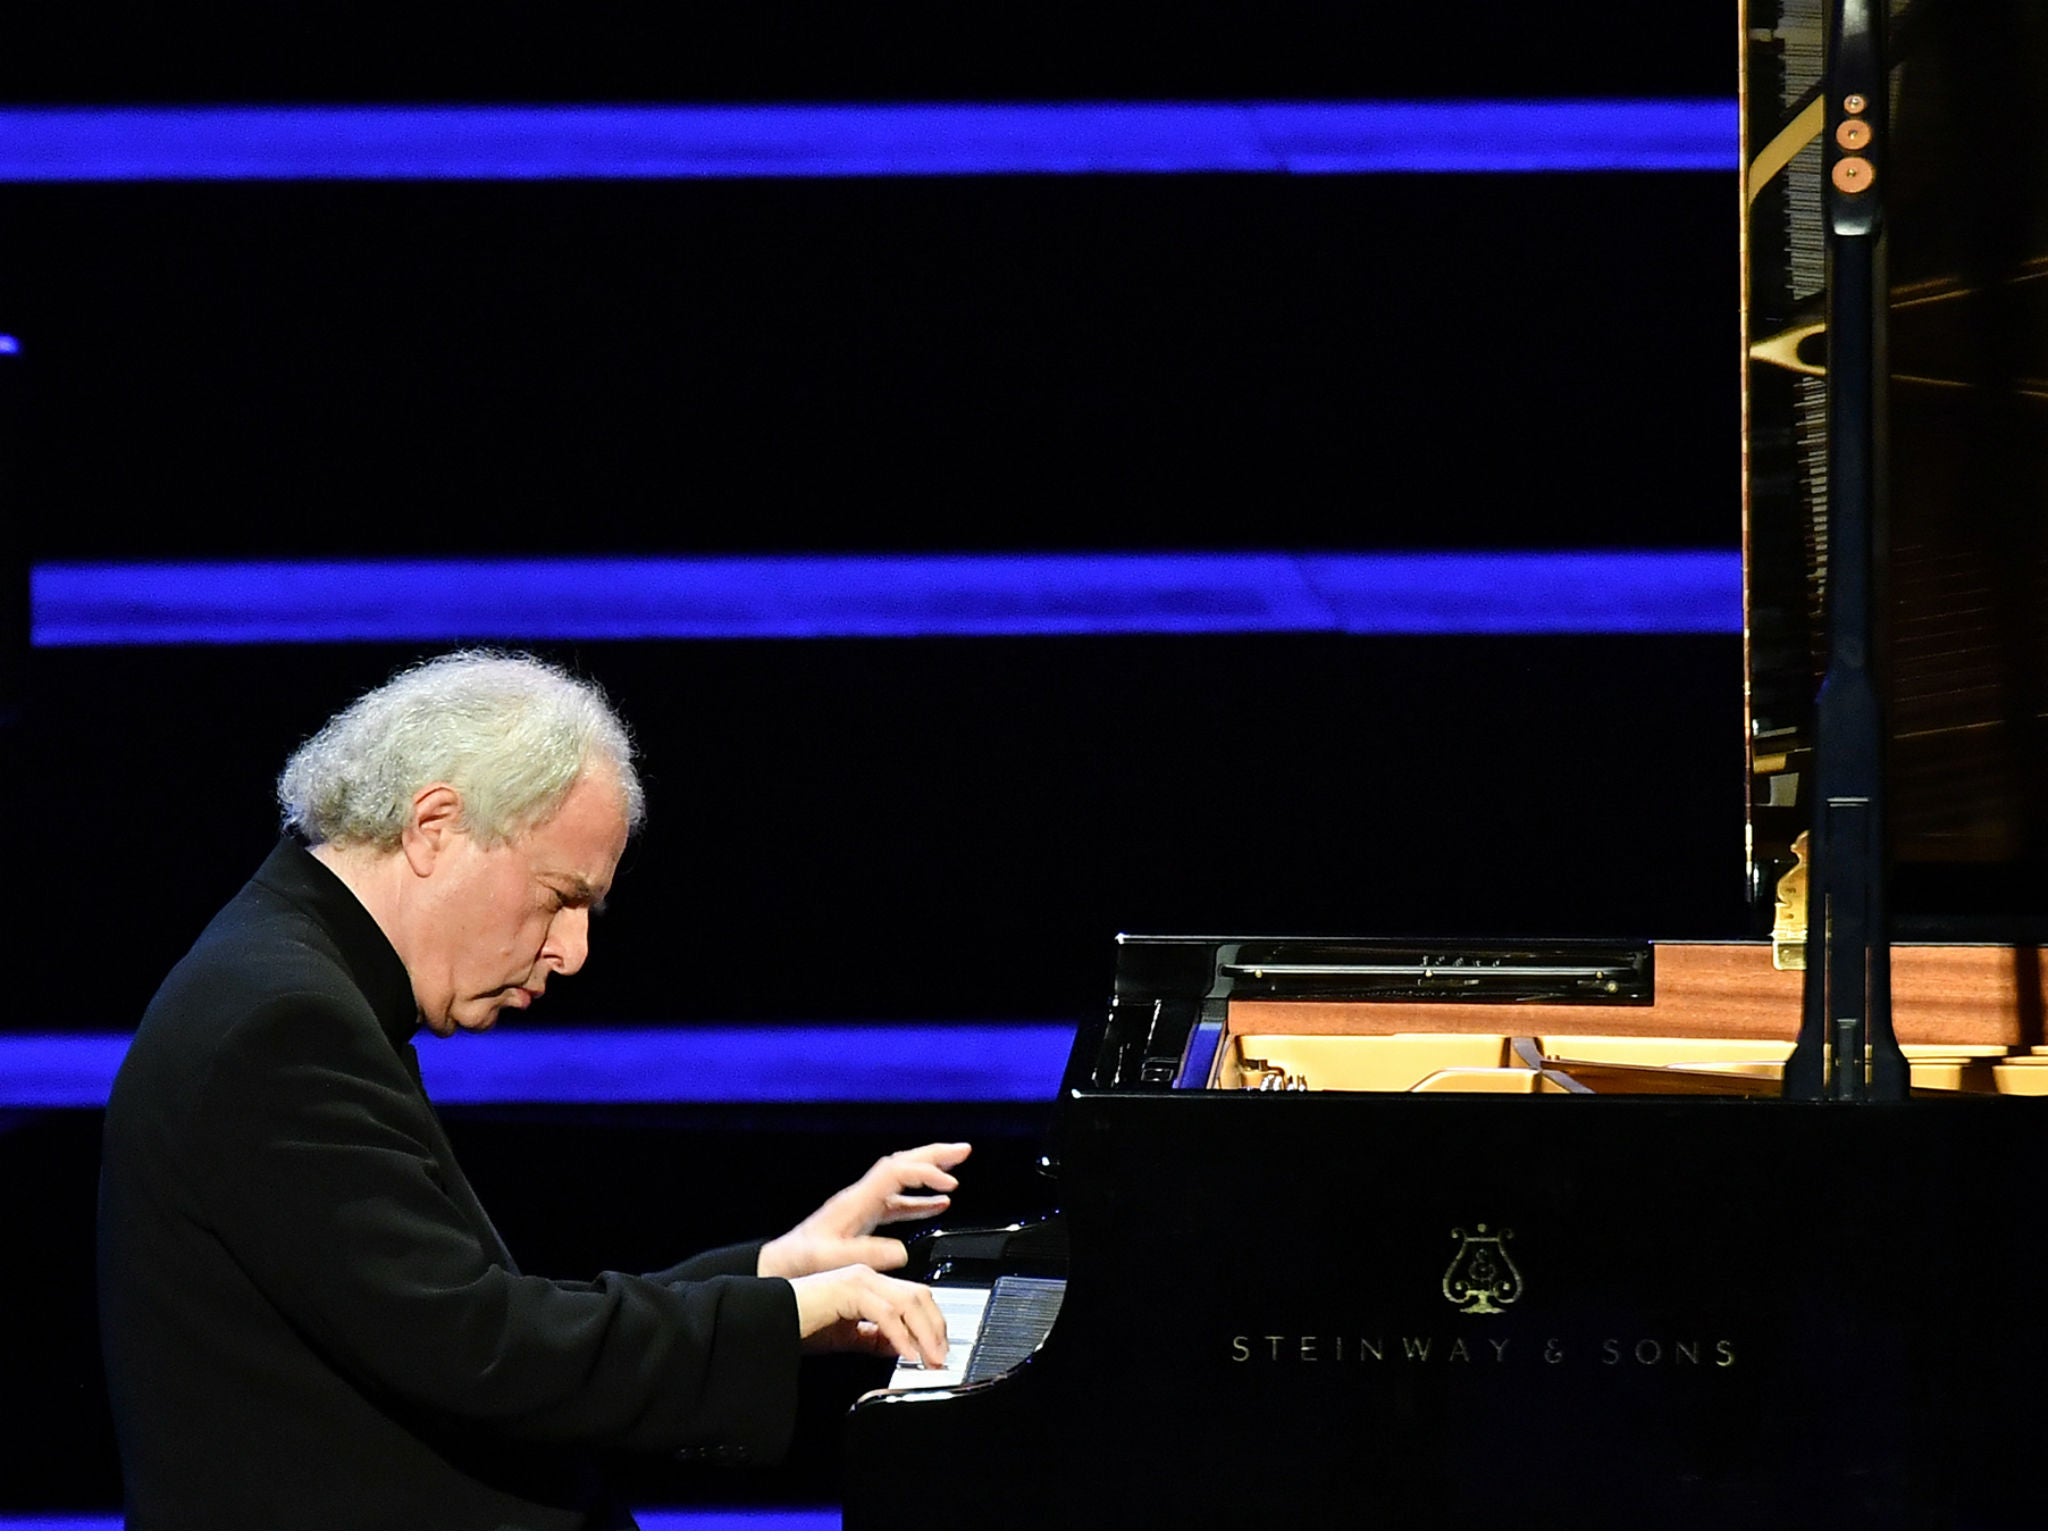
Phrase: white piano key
[963,1307]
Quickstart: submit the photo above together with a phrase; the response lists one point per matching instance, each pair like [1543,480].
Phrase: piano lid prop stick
[1846,1048]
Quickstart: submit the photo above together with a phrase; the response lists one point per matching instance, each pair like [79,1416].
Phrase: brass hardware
[1262,1076]
[1852,174]
[1782,350]
[1788,141]
[1852,133]
[1854,103]
[1788,926]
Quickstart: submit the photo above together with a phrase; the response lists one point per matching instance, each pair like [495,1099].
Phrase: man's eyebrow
[579,892]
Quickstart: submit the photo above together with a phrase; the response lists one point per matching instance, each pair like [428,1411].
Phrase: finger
[908,1175]
[895,1175]
[904,1334]
[929,1324]
[878,1253]
[852,1338]
[908,1316]
[924,1337]
[902,1171]
[901,1207]
[945,1153]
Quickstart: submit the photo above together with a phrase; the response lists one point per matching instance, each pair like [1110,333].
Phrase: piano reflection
[1590,1233]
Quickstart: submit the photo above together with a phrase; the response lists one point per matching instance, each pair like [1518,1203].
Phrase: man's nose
[568,944]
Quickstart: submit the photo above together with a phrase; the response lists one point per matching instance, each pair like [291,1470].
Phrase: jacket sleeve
[319,1172]
[739,1259]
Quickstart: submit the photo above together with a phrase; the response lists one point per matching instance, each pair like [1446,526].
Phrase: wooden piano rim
[1602,1077]
[1942,994]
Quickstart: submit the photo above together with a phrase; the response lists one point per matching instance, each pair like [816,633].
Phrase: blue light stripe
[494,143]
[870,596]
[752,1064]
[58,1071]
[724,1519]
[677,1064]
[729,1519]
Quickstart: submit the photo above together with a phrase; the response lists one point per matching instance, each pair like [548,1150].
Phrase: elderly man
[308,1320]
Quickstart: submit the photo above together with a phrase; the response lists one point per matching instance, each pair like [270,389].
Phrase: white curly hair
[511,733]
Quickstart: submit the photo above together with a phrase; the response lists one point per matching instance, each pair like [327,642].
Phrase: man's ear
[436,817]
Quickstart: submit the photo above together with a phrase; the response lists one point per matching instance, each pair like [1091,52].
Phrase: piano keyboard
[989,1331]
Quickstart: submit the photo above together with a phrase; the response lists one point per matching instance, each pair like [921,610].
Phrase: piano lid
[1962,478]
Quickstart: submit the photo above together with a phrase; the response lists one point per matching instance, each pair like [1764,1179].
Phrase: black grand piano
[1499,1233]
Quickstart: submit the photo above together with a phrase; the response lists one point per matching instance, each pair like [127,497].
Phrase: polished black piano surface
[1304,1292]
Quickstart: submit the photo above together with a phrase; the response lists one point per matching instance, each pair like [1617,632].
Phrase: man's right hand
[856,1309]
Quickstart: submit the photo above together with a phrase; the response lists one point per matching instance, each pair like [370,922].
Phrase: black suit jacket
[307,1318]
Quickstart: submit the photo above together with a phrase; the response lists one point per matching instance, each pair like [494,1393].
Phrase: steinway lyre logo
[1482,1278]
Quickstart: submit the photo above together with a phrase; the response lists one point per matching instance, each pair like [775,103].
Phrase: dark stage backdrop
[878,830]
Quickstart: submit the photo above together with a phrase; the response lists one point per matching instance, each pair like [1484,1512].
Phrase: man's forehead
[584,839]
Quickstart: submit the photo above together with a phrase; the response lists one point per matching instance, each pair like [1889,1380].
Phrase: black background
[886,830]
[541,50]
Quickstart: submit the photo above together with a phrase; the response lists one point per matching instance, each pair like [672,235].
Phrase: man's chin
[464,1023]
[488,1009]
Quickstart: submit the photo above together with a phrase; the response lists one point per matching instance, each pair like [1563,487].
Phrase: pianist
[308,1320]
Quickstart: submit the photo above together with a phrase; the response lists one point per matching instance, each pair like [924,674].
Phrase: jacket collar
[301,879]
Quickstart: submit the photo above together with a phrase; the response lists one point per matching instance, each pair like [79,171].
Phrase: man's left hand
[841,1231]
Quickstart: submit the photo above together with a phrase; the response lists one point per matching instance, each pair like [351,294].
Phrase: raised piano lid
[1963,463]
